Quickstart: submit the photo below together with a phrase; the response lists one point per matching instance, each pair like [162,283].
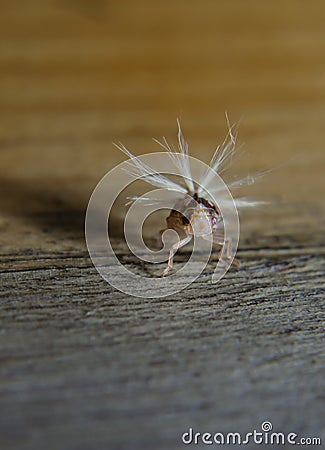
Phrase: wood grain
[85,367]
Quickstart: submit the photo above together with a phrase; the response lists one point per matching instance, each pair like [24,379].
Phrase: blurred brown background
[77,75]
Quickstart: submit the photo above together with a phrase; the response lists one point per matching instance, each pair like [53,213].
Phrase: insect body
[194,214]
[198,217]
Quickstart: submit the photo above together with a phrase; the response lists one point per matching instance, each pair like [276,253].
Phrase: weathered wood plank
[85,367]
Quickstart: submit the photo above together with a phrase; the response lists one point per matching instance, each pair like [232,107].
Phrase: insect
[195,213]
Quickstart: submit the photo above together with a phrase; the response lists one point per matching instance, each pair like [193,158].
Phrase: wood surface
[85,367]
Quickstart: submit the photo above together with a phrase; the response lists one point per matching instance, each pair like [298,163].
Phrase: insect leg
[172,252]
[225,245]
